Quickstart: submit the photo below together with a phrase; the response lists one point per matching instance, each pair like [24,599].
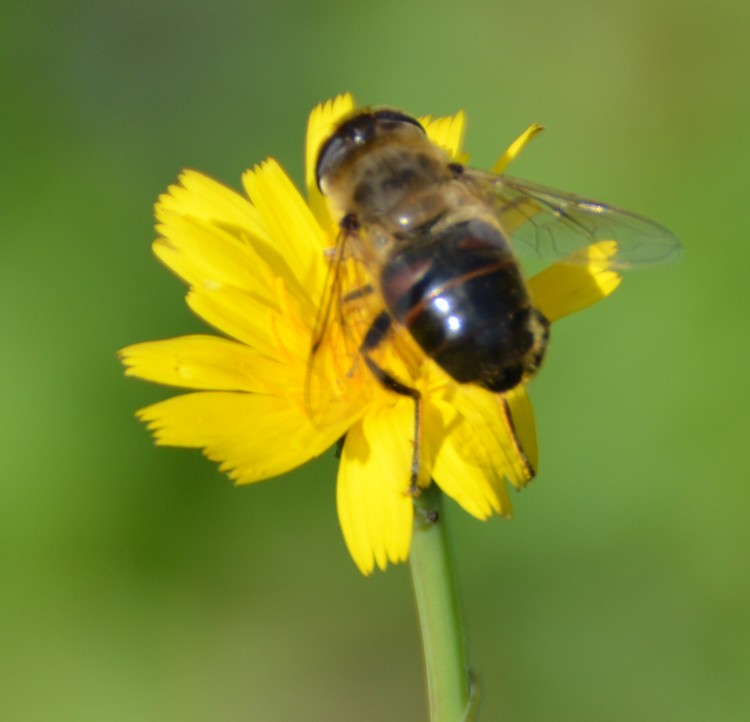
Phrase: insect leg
[358,293]
[375,335]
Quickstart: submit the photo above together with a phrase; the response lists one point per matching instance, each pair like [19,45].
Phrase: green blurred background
[138,584]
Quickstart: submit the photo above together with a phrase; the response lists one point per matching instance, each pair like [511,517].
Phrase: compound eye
[354,132]
[396,117]
[331,155]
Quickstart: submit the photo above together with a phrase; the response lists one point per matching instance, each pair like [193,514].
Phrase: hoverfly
[433,239]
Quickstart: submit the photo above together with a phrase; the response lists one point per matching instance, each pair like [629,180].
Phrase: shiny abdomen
[460,294]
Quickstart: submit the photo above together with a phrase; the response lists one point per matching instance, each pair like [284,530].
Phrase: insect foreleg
[379,330]
[358,293]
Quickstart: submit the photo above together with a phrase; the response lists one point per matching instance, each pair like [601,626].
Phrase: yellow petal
[389,430]
[447,132]
[515,148]
[374,507]
[212,236]
[198,196]
[238,315]
[321,124]
[291,224]
[488,414]
[200,362]
[207,256]
[253,436]
[524,426]
[464,467]
[575,282]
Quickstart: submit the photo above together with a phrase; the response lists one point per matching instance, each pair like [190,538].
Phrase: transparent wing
[334,349]
[553,224]
[321,374]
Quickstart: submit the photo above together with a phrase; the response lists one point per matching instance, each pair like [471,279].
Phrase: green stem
[449,684]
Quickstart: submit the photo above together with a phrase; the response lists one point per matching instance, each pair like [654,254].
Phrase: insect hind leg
[379,330]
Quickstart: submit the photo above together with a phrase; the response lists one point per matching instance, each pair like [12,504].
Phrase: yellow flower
[256,267]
